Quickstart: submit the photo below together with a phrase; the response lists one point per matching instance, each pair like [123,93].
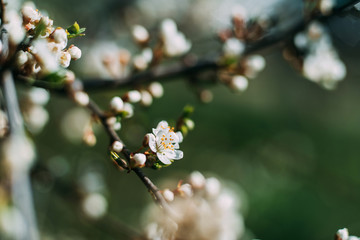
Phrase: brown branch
[187,68]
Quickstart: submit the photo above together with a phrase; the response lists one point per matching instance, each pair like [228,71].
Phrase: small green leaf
[75,31]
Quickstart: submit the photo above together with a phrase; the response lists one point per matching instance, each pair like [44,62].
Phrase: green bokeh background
[292,146]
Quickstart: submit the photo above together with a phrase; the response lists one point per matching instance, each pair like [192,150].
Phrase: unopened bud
[189,123]
[133,96]
[75,52]
[146,98]
[139,159]
[129,109]
[156,89]
[81,98]
[186,190]
[168,195]
[117,146]
[117,104]
[140,34]
[197,180]
[239,83]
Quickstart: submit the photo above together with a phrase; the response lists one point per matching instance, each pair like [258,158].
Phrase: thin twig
[127,153]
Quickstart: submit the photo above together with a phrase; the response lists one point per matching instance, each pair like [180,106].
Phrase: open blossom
[165,143]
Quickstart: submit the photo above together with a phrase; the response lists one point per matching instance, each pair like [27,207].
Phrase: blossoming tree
[35,57]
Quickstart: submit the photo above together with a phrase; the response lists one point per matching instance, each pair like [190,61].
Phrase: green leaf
[75,31]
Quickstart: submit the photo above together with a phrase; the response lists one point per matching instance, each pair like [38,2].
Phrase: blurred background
[292,146]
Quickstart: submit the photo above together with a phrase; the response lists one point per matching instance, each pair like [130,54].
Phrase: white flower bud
[343,234]
[186,190]
[140,62]
[146,98]
[117,104]
[168,195]
[140,34]
[156,89]
[117,146]
[65,59]
[75,52]
[117,126]
[60,36]
[14,27]
[29,14]
[197,180]
[94,205]
[81,98]
[134,96]
[239,83]
[233,47]
[44,57]
[129,109]
[113,123]
[326,6]
[147,54]
[89,139]
[212,187]
[139,159]
[256,63]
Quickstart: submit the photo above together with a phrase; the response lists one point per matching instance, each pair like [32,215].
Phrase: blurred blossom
[94,205]
[73,124]
[198,215]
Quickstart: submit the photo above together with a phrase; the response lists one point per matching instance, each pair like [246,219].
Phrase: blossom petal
[178,154]
[163,158]
[152,142]
[180,136]
[162,125]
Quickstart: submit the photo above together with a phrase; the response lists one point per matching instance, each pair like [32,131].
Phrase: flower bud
[185,190]
[60,36]
[146,98]
[212,187]
[233,47]
[189,123]
[65,59]
[129,109]
[168,195]
[117,104]
[133,96]
[75,52]
[342,234]
[140,34]
[239,83]
[117,146]
[156,89]
[139,159]
[197,180]
[81,98]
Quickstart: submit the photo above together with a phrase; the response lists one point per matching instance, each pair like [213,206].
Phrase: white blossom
[165,143]
[44,57]
[14,27]
[343,234]
[95,205]
[233,47]
[64,59]
[175,43]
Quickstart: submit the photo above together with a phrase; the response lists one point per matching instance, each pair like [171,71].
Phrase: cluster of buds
[343,234]
[316,57]
[33,108]
[239,67]
[203,208]
[47,50]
